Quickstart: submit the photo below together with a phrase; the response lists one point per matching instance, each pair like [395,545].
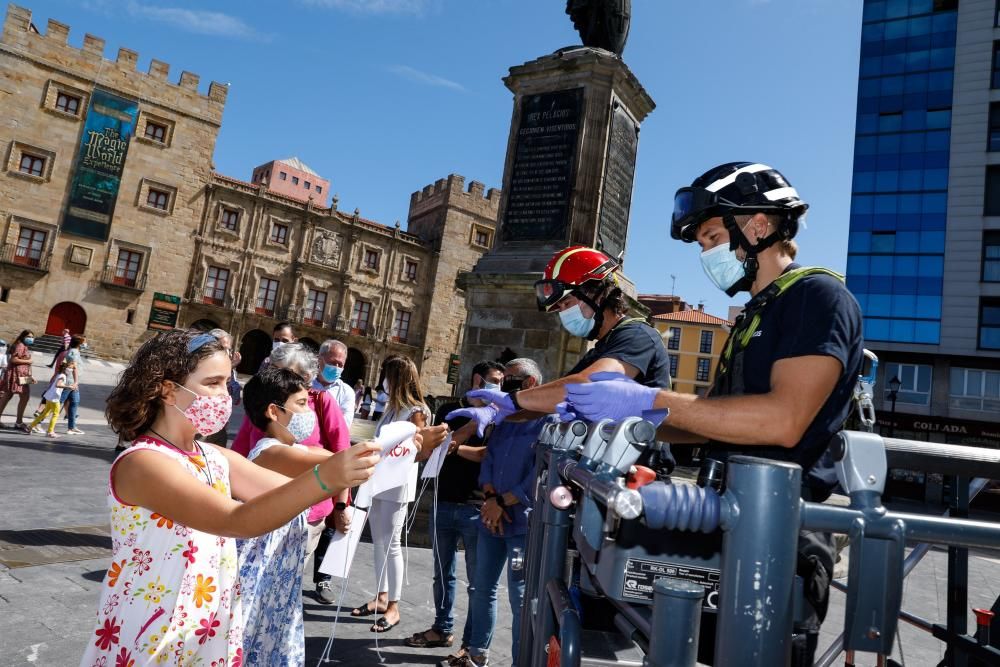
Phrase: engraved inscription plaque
[541,180]
[619,173]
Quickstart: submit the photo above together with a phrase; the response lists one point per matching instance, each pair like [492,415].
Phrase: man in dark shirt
[457,516]
[787,372]
[580,284]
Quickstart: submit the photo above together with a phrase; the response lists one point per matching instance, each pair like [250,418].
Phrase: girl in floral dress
[172,593]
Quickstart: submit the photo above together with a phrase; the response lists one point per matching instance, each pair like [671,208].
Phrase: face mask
[301,425]
[330,374]
[492,386]
[575,323]
[276,344]
[29,341]
[722,266]
[208,414]
[385,386]
[511,384]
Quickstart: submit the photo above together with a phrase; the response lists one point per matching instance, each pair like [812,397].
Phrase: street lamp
[894,385]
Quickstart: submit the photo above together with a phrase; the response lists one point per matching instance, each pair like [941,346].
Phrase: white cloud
[425,78]
[199,21]
[415,7]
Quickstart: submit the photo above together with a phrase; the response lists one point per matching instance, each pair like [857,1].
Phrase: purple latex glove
[482,416]
[565,413]
[500,400]
[610,396]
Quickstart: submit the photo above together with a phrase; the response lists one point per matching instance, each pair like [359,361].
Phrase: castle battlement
[87,64]
[452,190]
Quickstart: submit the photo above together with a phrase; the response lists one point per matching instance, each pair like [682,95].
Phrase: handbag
[25,380]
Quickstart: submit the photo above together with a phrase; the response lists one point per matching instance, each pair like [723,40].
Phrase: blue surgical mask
[301,425]
[575,323]
[722,266]
[330,374]
[29,341]
[492,386]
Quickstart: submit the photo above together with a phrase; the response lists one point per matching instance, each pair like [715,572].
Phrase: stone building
[97,272]
[262,257]
[213,250]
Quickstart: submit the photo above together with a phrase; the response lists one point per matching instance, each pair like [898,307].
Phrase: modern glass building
[924,247]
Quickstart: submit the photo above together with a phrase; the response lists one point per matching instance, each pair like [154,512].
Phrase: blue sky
[385,96]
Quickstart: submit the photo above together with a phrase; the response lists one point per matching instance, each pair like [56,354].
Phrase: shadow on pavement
[102,453]
[350,652]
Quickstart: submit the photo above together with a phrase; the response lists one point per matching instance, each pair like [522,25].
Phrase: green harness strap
[748,322]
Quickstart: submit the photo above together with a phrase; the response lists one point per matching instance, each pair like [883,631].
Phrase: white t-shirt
[342,395]
[381,398]
[408,493]
[54,392]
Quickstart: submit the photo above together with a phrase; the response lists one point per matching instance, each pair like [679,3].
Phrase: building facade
[62,264]
[181,245]
[262,258]
[924,250]
[694,340]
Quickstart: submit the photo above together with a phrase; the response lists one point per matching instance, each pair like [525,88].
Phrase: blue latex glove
[482,416]
[610,396]
[500,400]
[565,413]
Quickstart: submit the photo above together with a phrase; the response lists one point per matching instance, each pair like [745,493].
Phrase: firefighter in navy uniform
[580,284]
[787,372]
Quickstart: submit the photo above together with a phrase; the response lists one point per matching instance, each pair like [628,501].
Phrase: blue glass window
[931,265]
[991,256]
[876,329]
[927,332]
[883,242]
[932,242]
[879,304]
[929,307]
[857,265]
[901,330]
[992,204]
[907,242]
[989,324]
[859,241]
[938,119]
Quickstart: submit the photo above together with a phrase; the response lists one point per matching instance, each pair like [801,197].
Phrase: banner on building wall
[99,164]
[163,314]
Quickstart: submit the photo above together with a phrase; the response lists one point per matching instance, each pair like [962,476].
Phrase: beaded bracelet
[318,480]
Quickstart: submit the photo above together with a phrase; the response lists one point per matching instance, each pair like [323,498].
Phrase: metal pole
[958,576]
[673,641]
[892,424]
[533,547]
[551,565]
[758,563]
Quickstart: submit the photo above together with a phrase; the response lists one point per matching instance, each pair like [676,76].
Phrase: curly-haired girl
[171,593]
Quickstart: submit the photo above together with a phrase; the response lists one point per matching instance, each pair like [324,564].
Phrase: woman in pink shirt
[331,433]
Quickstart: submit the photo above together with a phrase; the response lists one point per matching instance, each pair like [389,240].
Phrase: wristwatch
[500,501]
[512,395]
[340,507]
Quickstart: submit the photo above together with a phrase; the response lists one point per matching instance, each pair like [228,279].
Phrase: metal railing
[112,277]
[586,504]
[21,257]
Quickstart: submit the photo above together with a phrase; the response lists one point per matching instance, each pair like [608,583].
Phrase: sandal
[423,640]
[382,625]
[365,610]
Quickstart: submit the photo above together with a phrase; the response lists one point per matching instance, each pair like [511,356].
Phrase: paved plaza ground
[54,495]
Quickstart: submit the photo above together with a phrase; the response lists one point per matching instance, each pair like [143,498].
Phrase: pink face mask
[208,414]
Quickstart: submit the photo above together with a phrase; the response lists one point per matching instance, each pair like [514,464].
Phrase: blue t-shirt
[815,316]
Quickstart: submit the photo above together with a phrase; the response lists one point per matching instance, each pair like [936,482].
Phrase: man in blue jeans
[507,478]
[457,516]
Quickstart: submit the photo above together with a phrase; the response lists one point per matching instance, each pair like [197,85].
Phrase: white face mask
[722,266]
[575,323]
[385,385]
[276,344]
[492,386]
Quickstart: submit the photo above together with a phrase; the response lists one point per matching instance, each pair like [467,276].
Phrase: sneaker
[52,435]
[324,592]
[75,431]
[37,429]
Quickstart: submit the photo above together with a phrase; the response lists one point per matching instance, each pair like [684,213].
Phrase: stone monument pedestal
[567,181]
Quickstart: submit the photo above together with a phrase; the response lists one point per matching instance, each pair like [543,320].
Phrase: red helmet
[571,268]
